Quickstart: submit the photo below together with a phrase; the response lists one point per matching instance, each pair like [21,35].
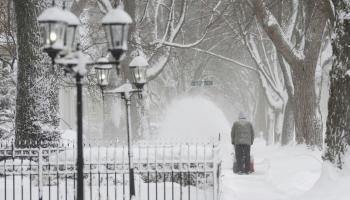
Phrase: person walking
[242,137]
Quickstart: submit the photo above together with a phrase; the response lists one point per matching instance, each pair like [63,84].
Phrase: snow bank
[194,119]
[292,172]
[292,169]
[333,184]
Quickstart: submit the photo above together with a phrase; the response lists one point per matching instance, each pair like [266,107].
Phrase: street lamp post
[58,31]
[75,64]
[126,91]
[138,67]
[80,158]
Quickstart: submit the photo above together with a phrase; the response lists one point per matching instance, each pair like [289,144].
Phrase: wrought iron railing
[163,171]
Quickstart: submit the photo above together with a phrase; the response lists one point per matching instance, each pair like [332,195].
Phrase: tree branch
[291,24]
[256,57]
[276,34]
[226,59]
[158,65]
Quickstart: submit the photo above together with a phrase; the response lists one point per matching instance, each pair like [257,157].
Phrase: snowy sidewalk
[281,173]
[248,187]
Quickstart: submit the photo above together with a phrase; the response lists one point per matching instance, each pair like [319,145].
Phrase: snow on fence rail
[181,171]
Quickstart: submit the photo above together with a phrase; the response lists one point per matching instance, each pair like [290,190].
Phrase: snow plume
[194,119]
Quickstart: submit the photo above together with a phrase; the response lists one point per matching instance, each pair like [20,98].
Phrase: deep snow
[286,173]
[281,173]
[290,172]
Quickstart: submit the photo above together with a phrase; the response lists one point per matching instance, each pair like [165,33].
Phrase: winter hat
[242,115]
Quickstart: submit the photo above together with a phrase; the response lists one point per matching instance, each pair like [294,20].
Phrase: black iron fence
[162,171]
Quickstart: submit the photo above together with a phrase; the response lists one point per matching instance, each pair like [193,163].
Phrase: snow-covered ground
[292,172]
[280,173]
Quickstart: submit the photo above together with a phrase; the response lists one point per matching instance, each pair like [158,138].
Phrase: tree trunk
[305,100]
[318,126]
[37,88]
[260,117]
[304,73]
[288,120]
[278,126]
[288,123]
[338,121]
[270,137]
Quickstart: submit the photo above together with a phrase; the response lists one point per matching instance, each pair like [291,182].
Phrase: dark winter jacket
[242,132]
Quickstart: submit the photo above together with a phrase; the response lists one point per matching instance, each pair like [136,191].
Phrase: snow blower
[251,166]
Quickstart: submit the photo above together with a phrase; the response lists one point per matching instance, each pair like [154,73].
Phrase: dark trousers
[243,157]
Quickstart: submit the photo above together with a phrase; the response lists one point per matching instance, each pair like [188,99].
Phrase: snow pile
[293,169]
[194,119]
[333,184]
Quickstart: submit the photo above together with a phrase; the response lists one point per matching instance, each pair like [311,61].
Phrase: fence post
[40,173]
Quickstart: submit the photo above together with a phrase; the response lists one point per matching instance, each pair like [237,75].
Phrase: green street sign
[202,83]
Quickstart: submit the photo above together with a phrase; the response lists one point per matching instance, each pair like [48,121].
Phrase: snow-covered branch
[287,75]
[257,59]
[276,34]
[225,58]
[269,67]
[291,24]
[158,65]
[172,44]
[173,27]
[176,30]
[181,21]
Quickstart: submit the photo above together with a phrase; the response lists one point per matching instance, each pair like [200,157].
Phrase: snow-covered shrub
[7,100]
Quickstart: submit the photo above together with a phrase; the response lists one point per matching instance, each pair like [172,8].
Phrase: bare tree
[302,55]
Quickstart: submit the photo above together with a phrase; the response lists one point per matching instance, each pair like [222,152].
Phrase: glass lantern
[138,68]
[53,24]
[103,70]
[116,25]
[71,34]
